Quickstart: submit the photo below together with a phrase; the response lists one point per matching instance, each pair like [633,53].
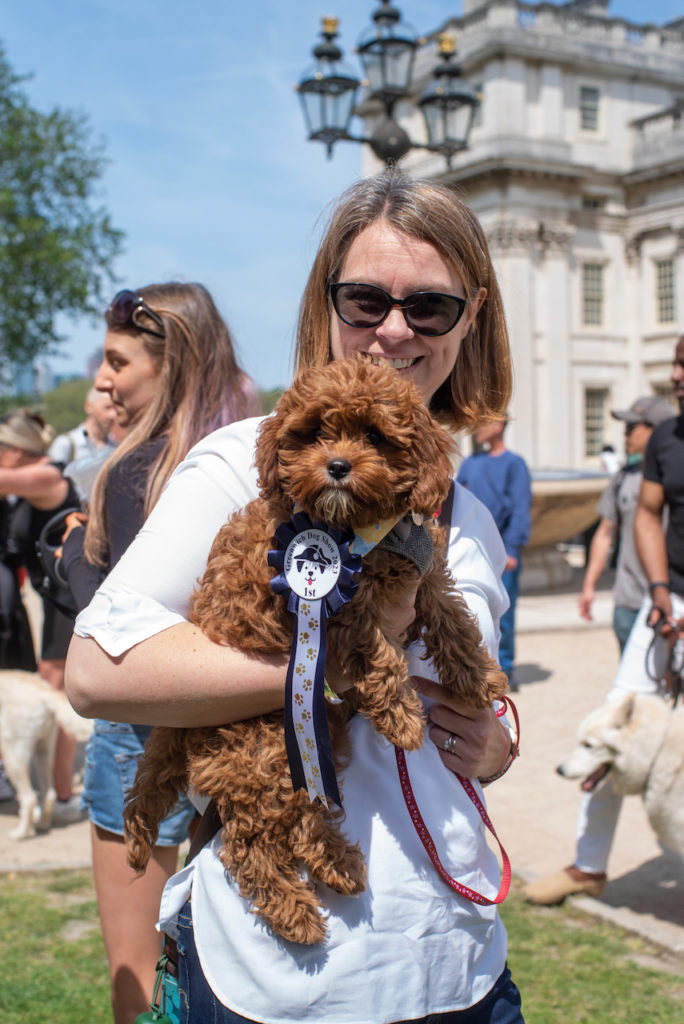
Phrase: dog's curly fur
[399,460]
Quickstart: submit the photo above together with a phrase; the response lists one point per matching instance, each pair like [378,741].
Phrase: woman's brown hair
[479,386]
[201,387]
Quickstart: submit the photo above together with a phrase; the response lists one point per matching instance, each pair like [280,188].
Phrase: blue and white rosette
[315,569]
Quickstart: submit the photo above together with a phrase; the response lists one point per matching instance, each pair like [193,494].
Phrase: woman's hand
[74,521]
[481,743]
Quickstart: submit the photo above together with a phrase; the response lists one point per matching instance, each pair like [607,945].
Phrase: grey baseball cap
[650,409]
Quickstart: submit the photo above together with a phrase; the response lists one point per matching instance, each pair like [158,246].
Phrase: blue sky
[210,176]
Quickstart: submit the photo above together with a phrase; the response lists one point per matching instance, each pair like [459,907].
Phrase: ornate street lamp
[328,91]
[387,51]
[448,104]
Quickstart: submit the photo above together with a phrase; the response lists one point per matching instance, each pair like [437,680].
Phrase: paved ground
[565,668]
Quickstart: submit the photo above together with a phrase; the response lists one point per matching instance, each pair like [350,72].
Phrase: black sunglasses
[366,305]
[125,309]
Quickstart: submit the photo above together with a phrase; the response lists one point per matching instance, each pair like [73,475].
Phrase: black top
[664,465]
[125,514]
[25,526]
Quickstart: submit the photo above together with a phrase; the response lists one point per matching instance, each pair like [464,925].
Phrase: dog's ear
[267,451]
[436,448]
[624,712]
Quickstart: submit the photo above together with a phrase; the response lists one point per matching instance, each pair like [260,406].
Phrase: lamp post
[387,51]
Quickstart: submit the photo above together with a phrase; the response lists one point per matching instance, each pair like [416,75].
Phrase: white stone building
[576,169]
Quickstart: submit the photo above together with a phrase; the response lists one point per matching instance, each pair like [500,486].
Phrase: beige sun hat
[25,430]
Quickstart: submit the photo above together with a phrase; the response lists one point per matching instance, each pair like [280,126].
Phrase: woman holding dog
[403,278]
[171,372]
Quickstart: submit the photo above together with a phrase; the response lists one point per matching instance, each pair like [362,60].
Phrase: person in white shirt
[402,276]
[91,438]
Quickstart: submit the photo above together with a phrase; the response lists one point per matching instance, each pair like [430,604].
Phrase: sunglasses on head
[365,305]
[125,310]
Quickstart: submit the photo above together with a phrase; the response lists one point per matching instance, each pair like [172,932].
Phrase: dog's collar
[367,537]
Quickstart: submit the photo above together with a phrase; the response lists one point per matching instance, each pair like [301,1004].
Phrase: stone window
[592,294]
[595,408]
[665,291]
[589,108]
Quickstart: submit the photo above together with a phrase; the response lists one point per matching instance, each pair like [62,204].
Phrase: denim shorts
[199,1005]
[111,761]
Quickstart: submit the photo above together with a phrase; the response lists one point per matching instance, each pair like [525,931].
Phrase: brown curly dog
[349,444]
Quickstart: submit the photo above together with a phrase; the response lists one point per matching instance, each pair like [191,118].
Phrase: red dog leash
[429,843]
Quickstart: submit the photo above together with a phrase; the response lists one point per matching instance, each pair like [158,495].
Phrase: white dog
[31,712]
[639,740]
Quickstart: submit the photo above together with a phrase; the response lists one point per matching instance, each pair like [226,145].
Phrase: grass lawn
[571,968]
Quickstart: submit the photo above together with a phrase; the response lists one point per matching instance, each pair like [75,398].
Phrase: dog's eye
[374,437]
[308,435]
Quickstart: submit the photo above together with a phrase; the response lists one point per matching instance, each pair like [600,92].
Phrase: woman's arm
[41,483]
[135,658]
[476,558]
[177,677]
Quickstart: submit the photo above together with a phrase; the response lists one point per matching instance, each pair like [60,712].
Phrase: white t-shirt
[408,945]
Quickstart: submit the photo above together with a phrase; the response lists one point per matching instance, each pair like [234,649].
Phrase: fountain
[563,505]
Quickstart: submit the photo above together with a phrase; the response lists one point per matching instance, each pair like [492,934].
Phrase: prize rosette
[315,570]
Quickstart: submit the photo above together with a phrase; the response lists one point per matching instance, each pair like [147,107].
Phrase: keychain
[155,1012]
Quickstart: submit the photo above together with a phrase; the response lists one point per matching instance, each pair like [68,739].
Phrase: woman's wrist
[513,752]
[512,748]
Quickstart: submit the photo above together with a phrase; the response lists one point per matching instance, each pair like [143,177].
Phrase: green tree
[63,407]
[57,244]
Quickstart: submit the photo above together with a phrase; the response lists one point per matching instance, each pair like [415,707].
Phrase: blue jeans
[199,1005]
[623,620]
[510,580]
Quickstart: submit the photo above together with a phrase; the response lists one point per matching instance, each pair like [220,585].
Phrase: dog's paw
[347,876]
[21,832]
[306,926]
[406,731]
[42,815]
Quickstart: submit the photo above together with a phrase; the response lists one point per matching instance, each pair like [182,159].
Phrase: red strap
[429,844]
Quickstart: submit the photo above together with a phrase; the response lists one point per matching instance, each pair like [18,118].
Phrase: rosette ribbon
[315,570]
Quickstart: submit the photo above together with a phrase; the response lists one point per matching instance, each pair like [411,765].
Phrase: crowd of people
[646,502]
[402,278]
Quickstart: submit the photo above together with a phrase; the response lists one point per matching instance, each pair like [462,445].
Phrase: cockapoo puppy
[349,444]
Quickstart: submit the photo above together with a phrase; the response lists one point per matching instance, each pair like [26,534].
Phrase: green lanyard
[155,1011]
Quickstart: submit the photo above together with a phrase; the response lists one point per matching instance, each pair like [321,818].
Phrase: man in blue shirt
[501,480]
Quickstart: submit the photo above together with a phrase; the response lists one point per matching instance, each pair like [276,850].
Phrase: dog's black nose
[339,468]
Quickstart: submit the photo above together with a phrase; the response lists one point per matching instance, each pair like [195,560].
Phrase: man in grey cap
[617,507]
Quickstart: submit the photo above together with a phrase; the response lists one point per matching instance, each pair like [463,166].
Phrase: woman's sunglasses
[125,310]
[365,305]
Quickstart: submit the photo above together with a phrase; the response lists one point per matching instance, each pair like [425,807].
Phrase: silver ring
[449,744]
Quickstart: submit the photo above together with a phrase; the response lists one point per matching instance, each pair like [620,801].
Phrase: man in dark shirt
[662,552]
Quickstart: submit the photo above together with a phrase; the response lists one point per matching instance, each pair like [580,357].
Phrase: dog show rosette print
[315,569]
